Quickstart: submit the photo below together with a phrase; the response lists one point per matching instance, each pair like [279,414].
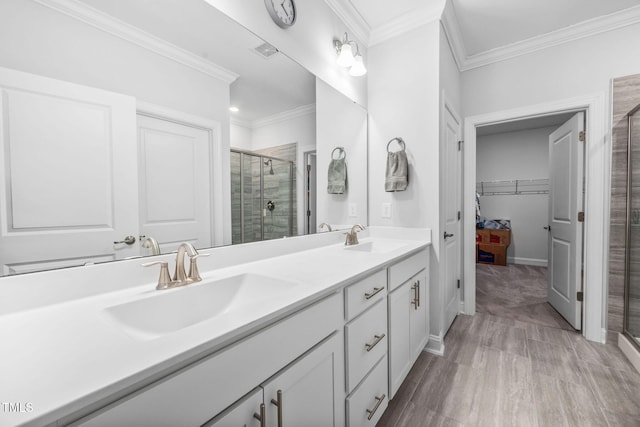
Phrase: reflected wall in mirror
[117,123]
[632,288]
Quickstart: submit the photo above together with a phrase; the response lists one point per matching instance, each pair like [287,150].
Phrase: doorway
[513,170]
[596,201]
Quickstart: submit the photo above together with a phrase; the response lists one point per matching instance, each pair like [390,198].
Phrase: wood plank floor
[500,371]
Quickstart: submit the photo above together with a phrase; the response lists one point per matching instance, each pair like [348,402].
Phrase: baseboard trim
[435,345]
[528,261]
[629,351]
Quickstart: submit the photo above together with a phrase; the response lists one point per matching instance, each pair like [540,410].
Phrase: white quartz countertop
[60,358]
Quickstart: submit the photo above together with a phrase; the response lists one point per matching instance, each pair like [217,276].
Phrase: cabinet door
[399,335]
[419,327]
[245,413]
[304,393]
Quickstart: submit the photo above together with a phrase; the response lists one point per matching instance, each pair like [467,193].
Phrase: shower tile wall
[275,189]
[626,95]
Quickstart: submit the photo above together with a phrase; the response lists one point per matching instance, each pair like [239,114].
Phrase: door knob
[129,240]
[447,235]
[547,227]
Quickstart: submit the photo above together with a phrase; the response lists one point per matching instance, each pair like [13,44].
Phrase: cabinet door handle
[418,292]
[260,417]
[379,401]
[369,295]
[375,342]
[415,303]
[278,403]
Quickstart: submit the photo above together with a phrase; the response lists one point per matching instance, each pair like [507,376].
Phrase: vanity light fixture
[346,57]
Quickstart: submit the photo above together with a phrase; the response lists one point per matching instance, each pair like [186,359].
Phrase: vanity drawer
[364,294]
[368,402]
[366,342]
[407,268]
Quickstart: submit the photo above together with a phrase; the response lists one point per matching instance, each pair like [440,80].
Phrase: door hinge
[580,216]
[459,215]
[458,283]
[582,136]
[460,145]
[580,296]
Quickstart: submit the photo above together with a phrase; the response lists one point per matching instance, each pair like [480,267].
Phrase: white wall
[341,123]
[568,70]
[309,41]
[39,40]
[404,101]
[517,155]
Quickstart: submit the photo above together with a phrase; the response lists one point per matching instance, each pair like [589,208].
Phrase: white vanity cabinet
[408,316]
[301,394]
[295,355]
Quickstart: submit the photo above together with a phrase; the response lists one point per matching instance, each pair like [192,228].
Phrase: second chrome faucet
[352,236]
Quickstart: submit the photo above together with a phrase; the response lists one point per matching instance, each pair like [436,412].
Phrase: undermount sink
[169,311]
[376,246]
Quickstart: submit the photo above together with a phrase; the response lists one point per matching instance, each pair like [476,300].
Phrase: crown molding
[111,25]
[406,22]
[454,37]
[352,19]
[276,118]
[575,32]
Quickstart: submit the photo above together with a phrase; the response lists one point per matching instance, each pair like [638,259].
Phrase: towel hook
[341,154]
[400,141]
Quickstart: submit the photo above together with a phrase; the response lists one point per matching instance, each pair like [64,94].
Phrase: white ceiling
[485,25]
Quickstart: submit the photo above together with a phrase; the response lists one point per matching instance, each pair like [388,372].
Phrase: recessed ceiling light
[234,109]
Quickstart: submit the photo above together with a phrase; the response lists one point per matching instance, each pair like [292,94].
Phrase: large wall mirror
[123,124]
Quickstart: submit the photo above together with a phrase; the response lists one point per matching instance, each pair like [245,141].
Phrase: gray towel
[337,176]
[397,176]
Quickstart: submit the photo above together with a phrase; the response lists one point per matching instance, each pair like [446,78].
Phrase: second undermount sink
[376,246]
[169,311]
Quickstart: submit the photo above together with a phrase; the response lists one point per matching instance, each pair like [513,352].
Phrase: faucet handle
[164,280]
[194,274]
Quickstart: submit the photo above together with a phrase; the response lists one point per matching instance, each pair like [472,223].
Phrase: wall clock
[283,12]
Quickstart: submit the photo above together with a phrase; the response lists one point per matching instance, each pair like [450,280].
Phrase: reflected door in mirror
[69,164]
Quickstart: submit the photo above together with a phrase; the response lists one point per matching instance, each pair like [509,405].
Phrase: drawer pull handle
[374,293]
[261,417]
[372,412]
[278,403]
[375,342]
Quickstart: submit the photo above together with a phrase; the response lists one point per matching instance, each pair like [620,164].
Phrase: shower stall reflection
[262,204]
[632,285]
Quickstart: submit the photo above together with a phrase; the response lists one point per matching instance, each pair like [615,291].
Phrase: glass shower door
[632,291]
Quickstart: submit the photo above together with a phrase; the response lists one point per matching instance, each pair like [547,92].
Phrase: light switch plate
[386,210]
[353,210]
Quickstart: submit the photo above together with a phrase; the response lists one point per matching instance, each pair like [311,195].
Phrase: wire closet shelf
[512,187]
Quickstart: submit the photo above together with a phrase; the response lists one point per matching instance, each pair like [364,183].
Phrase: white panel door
[67,190]
[566,154]
[175,183]
[452,214]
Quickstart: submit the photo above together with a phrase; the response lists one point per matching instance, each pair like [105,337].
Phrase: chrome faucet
[352,236]
[324,224]
[150,242]
[180,277]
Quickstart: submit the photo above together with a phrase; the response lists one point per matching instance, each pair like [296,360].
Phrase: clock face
[283,12]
